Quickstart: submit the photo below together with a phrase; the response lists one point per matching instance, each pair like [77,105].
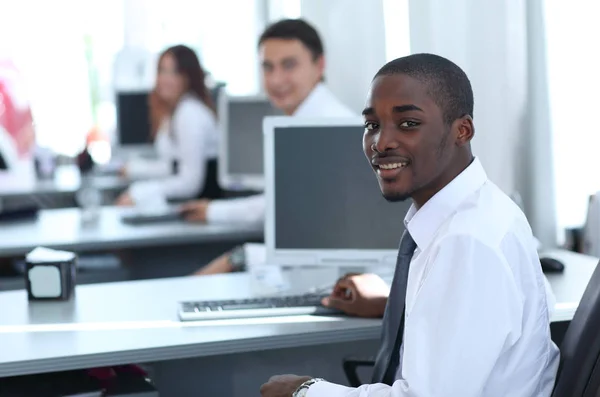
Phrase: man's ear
[320,61]
[466,130]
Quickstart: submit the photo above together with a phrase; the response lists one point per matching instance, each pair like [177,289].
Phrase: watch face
[237,256]
[237,259]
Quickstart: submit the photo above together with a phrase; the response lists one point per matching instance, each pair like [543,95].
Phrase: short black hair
[447,84]
[298,29]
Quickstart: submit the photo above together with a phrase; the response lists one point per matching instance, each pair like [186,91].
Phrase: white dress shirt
[191,138]
[476,320]
[320,103]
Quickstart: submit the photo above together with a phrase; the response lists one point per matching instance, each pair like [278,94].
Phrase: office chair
[579,368]
[216,90]
[351,365]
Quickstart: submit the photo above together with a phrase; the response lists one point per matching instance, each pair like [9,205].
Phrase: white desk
[109,324]
[569,286]
[60,192]
[63,229]
[163,249]
[137,321]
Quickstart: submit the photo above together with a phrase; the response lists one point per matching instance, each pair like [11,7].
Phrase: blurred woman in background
[185,134]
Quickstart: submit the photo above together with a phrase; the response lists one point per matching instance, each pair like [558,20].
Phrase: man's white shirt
[477,319]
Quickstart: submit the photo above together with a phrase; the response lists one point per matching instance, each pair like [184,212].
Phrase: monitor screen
[245,134]
[133,118]
[326,194]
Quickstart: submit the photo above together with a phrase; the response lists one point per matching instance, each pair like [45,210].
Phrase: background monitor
[241,150]
[324,205]
[133,118]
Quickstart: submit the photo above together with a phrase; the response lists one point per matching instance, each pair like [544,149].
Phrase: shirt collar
[312,100]
[422,224]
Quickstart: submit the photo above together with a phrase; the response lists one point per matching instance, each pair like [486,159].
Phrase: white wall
[500,45]
[487,40]
[354,37]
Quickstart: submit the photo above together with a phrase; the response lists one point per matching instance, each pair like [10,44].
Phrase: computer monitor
[324,205]
[241,149]
[133,118]
[133,115]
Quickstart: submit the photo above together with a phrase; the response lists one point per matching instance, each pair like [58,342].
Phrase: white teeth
[391,166]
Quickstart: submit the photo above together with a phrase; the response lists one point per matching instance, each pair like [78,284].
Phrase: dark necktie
[388,358]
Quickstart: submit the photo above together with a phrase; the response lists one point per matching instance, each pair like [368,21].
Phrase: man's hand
[282,385]
[195,211]
[124,200]
[362,295]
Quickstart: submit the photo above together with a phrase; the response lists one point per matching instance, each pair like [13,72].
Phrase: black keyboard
[291,305]
[170,215]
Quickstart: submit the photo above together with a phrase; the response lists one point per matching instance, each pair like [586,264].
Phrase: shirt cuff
[145,193]
[218,212]
[249,210]
[326,389]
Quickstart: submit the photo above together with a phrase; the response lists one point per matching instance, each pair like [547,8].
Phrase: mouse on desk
[551,265]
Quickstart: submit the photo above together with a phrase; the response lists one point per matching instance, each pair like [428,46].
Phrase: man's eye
[409,124]
[289,65]
[369,125]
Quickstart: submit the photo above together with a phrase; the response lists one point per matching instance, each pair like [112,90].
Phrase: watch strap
[302,390]
[237,259]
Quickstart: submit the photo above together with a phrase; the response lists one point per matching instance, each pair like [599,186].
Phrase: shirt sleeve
[139,168]
[191,127]
[250,210]
[468,312]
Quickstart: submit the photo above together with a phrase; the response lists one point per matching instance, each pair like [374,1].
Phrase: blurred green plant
[92,77]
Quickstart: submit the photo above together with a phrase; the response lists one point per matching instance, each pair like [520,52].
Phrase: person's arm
[249,210]
[236,260]
[140,168]
[217,266]
[191,126]
[468,312]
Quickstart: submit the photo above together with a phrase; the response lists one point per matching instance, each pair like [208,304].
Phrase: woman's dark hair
[189,67]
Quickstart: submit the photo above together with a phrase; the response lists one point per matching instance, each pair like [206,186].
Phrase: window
[49,47]
[224,40]
[574,83]
[66,50]
[397,29]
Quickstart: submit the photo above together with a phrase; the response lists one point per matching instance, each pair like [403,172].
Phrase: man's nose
[385,140]
[276,77]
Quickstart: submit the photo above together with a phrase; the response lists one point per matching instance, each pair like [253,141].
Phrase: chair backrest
[579,370]
[215,91]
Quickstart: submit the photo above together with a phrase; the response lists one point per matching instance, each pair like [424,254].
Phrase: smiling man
[293,64]
[467,313]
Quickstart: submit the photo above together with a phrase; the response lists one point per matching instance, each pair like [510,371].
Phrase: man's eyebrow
[396,109]
[406,108]
[368,111]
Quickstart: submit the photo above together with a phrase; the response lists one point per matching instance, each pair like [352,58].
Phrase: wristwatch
[303,389]
[237,259]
